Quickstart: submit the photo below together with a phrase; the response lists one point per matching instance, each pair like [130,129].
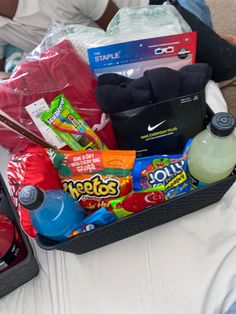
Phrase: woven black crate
[144,220]
[22,272]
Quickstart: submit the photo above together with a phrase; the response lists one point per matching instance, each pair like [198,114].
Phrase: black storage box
[25,270]
[144,220]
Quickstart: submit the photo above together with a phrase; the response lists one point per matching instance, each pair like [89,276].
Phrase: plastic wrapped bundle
[128,24]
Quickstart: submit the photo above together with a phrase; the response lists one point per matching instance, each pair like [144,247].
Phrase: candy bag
[63,119]
[95,177]
[137,201]
[99,218]
[167,170]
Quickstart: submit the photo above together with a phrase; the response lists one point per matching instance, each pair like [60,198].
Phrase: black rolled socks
[116,93]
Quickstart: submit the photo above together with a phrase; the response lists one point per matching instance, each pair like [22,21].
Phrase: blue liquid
[58,214]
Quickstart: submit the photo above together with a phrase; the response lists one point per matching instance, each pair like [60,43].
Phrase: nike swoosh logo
[151,128]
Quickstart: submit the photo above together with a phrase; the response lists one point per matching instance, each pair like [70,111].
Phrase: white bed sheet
[187,266]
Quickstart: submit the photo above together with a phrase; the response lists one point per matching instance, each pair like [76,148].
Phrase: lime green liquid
[212,158]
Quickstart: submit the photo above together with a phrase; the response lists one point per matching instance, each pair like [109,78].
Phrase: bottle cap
[31,197]
[222,124]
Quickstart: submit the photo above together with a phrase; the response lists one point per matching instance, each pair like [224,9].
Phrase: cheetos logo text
[96,186]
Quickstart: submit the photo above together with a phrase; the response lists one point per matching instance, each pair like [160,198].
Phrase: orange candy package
[95,177]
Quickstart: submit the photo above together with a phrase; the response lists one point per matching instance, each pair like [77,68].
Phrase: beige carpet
[223,15]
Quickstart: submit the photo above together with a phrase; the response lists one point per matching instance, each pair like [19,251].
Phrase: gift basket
[140,221]
[101,139]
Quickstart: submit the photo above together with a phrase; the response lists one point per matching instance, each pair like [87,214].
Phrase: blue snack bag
[167,170]
[99,218]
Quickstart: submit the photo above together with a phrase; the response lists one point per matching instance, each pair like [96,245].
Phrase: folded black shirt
[116,93]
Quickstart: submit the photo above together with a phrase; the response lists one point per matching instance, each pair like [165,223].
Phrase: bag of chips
[95,177]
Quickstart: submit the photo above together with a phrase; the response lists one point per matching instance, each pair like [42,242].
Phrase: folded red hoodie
[56,70]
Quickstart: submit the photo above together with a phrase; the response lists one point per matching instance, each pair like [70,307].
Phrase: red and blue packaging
[137,201]
[99,218]
[159,170]
[132,58]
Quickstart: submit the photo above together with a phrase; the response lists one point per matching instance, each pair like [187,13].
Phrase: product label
[134,57]
[85,163]
[195,183]
[35,110]
[158,134]
[96,186]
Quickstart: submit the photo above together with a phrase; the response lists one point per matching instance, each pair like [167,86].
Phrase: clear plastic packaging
[36,82]
[131,23]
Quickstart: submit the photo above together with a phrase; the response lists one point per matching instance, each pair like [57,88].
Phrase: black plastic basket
[144,220]
[27,269]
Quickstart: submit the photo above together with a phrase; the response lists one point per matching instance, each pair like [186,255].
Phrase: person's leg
[230,38]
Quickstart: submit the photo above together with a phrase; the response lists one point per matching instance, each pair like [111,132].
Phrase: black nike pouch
[158,112]
[161,128]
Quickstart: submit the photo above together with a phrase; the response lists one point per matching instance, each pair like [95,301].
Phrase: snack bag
[95,177]
[167,170]
[100,217]
[137,201]
[64,120]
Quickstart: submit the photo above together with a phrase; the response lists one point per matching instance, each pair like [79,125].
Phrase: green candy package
[70,127]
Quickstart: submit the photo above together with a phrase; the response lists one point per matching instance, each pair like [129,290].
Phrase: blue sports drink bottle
[53,213]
